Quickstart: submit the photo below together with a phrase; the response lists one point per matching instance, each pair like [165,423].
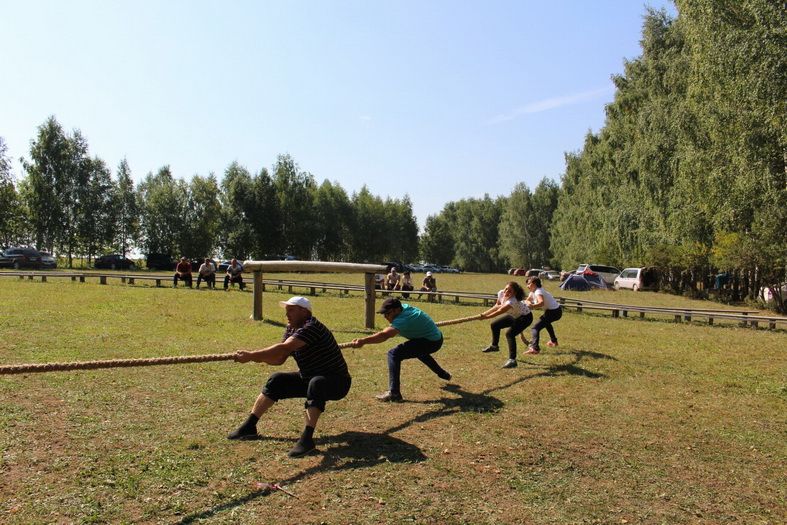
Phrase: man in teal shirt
[423,340]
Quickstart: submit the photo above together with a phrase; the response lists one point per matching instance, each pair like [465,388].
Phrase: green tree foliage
[94,217]
[43,192]
[525,225]
[296,191]
[125,210]
[369,228]
[236,237]
[163,202]
[199,237]
[437,241]
[11,209]
[333,225]
[689,170]
[475,230]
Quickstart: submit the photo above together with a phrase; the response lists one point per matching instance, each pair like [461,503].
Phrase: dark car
[114,261]
[48,261]
[17,258]
[160,261]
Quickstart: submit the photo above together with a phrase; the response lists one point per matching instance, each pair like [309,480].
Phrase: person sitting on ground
[406,284]
[392,280]
[540,298]
[424,338]
[429,284]
[182,272]
[322,372]
[517,317]
[207,273]
[234,275]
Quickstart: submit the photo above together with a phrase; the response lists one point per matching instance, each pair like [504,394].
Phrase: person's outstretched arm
[379,337]
[273,355]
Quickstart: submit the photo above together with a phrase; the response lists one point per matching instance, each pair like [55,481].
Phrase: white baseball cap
[297,301]
[428,274]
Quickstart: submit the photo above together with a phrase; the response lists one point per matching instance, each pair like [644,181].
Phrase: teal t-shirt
[413,323]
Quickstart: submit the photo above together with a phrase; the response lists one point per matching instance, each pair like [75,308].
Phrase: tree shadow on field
[349,450]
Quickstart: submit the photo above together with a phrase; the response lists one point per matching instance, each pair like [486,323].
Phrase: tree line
[71,203]
[687,174]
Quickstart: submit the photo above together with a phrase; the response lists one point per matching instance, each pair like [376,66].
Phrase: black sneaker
[511,363]
[390,397]
[444,375]
[244,432]
[302,448]
[491,348]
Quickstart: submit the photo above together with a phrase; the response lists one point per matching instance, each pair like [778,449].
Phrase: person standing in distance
[423,336]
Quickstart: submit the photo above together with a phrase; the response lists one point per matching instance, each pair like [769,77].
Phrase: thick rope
[125,363]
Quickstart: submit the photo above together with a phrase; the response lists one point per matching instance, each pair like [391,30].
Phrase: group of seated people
[404,282]
[207,273]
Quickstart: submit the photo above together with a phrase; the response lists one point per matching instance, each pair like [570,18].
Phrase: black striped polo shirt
[321,355]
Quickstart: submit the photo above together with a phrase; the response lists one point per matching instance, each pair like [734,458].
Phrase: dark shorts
[317,390]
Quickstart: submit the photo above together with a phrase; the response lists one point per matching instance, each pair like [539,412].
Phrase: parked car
[637,279]
[48,261]
[608,273]
[114,261]
[17,258]
[160,261]
[549,275]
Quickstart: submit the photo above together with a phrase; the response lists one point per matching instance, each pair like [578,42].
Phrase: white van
[637,279]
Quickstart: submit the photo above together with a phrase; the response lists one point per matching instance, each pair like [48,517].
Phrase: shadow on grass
[349,450]
[354,450]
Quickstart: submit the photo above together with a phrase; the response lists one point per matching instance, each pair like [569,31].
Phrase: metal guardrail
[744,317]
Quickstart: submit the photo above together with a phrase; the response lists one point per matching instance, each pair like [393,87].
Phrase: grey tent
[576,282]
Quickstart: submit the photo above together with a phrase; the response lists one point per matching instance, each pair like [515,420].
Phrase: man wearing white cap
[322,372]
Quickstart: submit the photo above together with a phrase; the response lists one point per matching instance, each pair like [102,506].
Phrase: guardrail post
[257,316]
[368,286]
[43,278]
[102,279]
[130,280]
[710,321]
[615,314]
[81,278]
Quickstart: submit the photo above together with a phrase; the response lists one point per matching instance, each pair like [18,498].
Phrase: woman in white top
[540,298]
[517,317]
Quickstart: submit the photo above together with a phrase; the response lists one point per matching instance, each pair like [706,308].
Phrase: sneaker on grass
[390,397]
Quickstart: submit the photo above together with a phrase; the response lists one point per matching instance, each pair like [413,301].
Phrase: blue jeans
[421,349]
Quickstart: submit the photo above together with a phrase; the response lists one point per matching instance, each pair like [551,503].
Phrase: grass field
[628,421]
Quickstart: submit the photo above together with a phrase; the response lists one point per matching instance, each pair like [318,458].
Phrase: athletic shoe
[551,343]
[392,397]
[243,433]
[444,375]
[301,448]
[533,351]
[511,363]
[491,348]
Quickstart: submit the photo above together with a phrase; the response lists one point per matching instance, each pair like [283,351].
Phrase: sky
[439,100]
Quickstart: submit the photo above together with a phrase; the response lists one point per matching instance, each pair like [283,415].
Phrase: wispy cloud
[365,118]
[549,103]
